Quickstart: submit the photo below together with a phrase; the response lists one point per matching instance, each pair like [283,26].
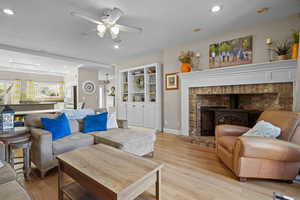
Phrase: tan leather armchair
[257,157]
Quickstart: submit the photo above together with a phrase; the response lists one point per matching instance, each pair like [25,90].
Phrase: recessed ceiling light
[197,30]
[216,8]
[8,11]
[262,10]
[116,46]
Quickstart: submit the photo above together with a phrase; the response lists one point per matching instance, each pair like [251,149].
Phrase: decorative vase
[295,49]
[283,57]
[185,67]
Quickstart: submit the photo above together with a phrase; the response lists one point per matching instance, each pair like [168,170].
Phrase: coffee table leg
[158,185]
[60,183]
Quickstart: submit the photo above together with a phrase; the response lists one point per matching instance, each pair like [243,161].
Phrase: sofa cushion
[13,191]
[6,173]
[34,120]
[72,142]
[59,127]
[93,123]
[119,137]
[228,142]
[264,129]
[74,125]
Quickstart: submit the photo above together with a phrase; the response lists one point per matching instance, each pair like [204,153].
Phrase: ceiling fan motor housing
[111,16]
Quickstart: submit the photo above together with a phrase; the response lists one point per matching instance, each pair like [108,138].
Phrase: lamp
[114,31]
[101,30]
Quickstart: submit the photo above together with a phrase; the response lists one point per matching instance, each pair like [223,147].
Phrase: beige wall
[278,30]
[86,74]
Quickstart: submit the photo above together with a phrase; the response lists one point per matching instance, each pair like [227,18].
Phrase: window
[4,87]
[48,90]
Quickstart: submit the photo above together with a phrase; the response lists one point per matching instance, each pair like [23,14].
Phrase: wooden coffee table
[103,172]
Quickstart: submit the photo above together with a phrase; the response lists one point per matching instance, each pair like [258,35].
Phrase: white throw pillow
[264,129]
[112,120]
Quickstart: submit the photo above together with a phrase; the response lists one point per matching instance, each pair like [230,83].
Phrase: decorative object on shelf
[196,61]
[7,118]
[88,87]
[112,91]
[151,71]
[172,81]
[230,53]
[139,82]
[282,49]
[295,46]
[269,43]
[186,59]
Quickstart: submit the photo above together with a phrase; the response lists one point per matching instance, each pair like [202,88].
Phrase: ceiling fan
[108,22]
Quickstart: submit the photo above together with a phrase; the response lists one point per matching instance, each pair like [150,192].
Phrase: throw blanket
[78,114]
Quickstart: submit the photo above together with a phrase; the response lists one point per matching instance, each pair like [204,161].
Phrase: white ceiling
[46,25]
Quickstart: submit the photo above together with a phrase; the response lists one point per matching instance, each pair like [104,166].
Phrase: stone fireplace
[234,104]
[247,90]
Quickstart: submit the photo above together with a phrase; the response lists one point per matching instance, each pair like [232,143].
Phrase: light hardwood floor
[191,172]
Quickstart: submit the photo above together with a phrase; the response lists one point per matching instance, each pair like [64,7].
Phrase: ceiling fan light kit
[108,22]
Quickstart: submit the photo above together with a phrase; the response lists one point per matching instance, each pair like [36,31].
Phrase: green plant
[186,57]
[295,36]
[282,48]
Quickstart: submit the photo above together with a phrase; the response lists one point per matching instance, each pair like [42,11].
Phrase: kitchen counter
[31,106]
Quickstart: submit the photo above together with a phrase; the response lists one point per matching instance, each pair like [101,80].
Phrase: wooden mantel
[258,73]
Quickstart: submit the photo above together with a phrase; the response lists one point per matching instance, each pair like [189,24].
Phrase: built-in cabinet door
[136,114]
[149,115]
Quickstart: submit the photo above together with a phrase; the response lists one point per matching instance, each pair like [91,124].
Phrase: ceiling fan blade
[86,18]
[130,29]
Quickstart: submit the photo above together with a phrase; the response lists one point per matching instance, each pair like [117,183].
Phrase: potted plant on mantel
[295,46]
[282,49]
[186,61]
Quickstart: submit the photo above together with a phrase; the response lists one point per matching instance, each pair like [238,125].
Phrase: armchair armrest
[122,123]
[267,148]
[41,150]
[230,130]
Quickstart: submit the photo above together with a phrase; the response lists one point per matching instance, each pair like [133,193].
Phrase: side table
[18,135]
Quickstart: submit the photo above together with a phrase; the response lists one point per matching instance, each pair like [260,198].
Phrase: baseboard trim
[172,131]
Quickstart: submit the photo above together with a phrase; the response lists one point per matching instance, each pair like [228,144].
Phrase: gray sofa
[10,189]
[138,141]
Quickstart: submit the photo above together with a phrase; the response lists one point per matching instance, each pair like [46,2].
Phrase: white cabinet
[149,115]
[135,114]
[139,96]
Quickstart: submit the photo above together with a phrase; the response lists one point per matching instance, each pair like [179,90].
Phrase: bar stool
[25,146]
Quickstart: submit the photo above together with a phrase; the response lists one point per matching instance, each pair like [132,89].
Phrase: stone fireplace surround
[272,79]
[269,96]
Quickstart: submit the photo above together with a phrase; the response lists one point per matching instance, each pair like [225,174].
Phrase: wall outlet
[166,122]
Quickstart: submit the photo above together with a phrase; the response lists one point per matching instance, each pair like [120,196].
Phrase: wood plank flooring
[191,172]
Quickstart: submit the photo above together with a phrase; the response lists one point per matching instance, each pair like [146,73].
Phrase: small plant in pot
[282,49]
[295,45]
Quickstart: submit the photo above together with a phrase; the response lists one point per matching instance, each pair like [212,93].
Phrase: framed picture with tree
[233,52]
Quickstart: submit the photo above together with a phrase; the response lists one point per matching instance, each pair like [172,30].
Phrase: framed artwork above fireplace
[232,52]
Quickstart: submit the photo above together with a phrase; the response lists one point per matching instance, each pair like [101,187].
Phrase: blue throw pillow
[93,123]
[59,127]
